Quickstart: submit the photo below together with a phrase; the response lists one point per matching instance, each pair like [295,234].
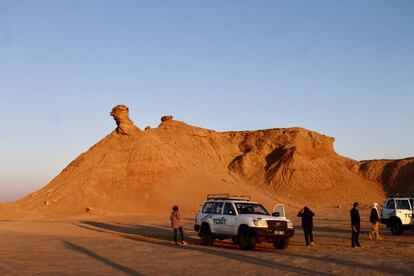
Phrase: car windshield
[251,208]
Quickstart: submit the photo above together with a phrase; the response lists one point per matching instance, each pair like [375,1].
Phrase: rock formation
[299,163]
[397,176]
[125,124]
[166,118]
[132,171]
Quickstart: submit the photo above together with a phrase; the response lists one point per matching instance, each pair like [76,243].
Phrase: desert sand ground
[142,245]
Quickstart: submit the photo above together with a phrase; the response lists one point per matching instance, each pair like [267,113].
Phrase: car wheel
[252,242]
[281,243]
[235,240]
[396,227]
[206,237]
[246,240]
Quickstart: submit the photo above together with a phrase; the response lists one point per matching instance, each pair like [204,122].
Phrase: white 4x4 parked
[398,213]
[247,223]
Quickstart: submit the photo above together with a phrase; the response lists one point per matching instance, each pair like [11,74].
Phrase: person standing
[175,219]
[307,224]
[374,219]
[355,225]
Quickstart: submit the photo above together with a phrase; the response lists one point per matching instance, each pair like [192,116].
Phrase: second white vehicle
[398,213]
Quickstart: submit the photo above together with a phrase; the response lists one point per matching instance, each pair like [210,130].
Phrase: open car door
[279,211]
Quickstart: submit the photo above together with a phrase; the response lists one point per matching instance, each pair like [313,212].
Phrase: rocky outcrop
[397,176]
[125,124]
[166,118]
[299,164]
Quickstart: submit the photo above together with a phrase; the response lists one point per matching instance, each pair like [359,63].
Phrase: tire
[206,237]
[236,240]
[281,243]
[246,240]
[252,242]
[396,227]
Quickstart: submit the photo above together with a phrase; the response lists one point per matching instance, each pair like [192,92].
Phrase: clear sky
[342,68]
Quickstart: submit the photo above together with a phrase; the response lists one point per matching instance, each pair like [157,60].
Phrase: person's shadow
[100,258]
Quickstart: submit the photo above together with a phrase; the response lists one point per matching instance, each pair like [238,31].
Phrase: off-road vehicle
[398,213]
[235,217]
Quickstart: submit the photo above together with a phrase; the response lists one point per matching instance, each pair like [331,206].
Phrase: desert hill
[145,171]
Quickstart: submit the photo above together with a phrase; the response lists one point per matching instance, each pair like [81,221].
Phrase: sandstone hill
[146,171]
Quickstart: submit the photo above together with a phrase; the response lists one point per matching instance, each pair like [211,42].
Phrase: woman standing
[175,219]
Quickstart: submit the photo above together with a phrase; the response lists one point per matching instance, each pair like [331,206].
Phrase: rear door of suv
[218,219]
[230,217]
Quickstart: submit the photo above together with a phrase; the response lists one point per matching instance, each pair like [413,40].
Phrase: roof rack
[227,196]
[402,195]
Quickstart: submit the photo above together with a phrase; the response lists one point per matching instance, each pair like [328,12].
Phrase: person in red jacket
[175,219]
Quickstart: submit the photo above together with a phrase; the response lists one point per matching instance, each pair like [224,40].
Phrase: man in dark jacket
[355,225]
[307,224]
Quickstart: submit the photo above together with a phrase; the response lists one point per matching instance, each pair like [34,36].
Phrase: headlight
[260,223]
[289,224]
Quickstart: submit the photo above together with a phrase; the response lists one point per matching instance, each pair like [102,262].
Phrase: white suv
[398,213]
[247,223]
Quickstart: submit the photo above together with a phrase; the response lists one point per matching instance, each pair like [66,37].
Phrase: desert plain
[143,245]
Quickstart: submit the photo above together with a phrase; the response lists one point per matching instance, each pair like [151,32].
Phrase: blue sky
[342,68]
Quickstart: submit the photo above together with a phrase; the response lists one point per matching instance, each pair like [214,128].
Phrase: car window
[412,203]
[207,207]
[390,204]
[217,208]
[251,208]
[229,209]
[403,204]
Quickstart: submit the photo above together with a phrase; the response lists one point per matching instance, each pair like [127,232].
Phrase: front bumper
[272,235]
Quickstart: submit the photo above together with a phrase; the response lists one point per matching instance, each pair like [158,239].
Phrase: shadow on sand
[350,263]
[99,258]
[338,233]
[163,236]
